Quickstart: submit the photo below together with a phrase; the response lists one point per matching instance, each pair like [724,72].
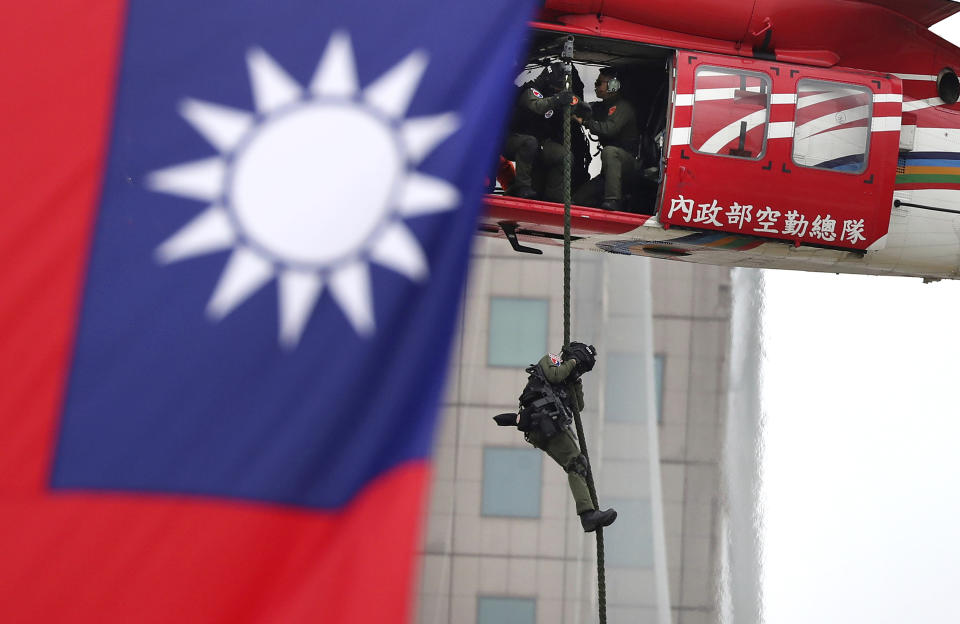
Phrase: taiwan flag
[233,243]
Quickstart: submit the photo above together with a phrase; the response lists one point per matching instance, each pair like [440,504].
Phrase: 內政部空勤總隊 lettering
[766,220]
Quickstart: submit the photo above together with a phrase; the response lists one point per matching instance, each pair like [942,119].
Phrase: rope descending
[567,162]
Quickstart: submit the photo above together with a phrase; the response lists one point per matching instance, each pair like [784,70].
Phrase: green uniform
[534,125]
[615,125]
[536,135]
[563,447]
[536,103]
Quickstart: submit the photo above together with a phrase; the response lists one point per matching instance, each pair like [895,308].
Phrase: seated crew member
[536,132]
[614,122]
[552,393]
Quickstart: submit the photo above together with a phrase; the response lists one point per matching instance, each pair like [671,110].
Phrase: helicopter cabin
[801,152]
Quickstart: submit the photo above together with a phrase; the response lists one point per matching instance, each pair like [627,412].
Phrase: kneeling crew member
[614,122]
[553,392]
[536,133]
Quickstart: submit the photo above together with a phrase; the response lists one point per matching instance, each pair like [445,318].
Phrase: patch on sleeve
[548,114]
[540,95]
[555,359]
[612,110]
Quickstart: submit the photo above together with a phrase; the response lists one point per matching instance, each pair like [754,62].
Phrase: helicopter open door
[789,152]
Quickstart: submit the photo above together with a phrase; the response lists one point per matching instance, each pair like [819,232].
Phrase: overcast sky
[862,457]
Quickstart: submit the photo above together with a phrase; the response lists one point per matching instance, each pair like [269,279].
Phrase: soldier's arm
[614,123]
[539,105]
[556,374]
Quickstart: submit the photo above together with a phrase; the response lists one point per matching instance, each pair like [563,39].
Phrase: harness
[544,407]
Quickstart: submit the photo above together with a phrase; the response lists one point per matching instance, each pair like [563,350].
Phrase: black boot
[593,519]
[610,204]
[522,191]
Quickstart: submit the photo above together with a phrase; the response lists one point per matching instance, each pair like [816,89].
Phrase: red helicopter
[815,135]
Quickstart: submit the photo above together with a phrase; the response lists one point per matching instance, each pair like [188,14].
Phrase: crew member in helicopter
[614,122]
[535,138]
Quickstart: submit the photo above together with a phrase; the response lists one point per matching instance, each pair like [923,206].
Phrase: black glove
[566,98]
[583,111]
[584,354]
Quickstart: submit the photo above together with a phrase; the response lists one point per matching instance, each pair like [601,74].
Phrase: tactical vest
[544,406]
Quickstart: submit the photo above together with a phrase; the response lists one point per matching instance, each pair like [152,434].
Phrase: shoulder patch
[555,359]
[548,114]
[536,93]
[612,110]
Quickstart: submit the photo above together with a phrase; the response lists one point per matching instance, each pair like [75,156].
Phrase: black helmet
[552,79]
[584,354]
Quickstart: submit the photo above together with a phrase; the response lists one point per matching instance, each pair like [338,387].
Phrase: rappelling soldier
[614,122]
[552,394]
[535,139]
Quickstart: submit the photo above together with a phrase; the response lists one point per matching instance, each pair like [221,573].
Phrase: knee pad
[577,465]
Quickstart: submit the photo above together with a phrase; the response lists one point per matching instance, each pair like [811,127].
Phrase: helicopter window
[731,111]
[832,126]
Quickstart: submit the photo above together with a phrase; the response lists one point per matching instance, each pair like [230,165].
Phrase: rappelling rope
[567,162]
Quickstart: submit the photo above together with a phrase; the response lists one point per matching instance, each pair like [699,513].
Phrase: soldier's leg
[522,149]
[563,448]
[552,158]
[613,161]
[534,438]
[590,193]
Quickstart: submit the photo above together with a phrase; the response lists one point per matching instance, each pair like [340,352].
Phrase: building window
[511,482]
[621,402]
[623,373]
[832,126]
[659,361]
[629,540]
[518,331]
[731,112]
[504,610]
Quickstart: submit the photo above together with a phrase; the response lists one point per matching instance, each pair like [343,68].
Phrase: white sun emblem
[311,187]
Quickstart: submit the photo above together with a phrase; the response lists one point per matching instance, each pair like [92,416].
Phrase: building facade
[502,541]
